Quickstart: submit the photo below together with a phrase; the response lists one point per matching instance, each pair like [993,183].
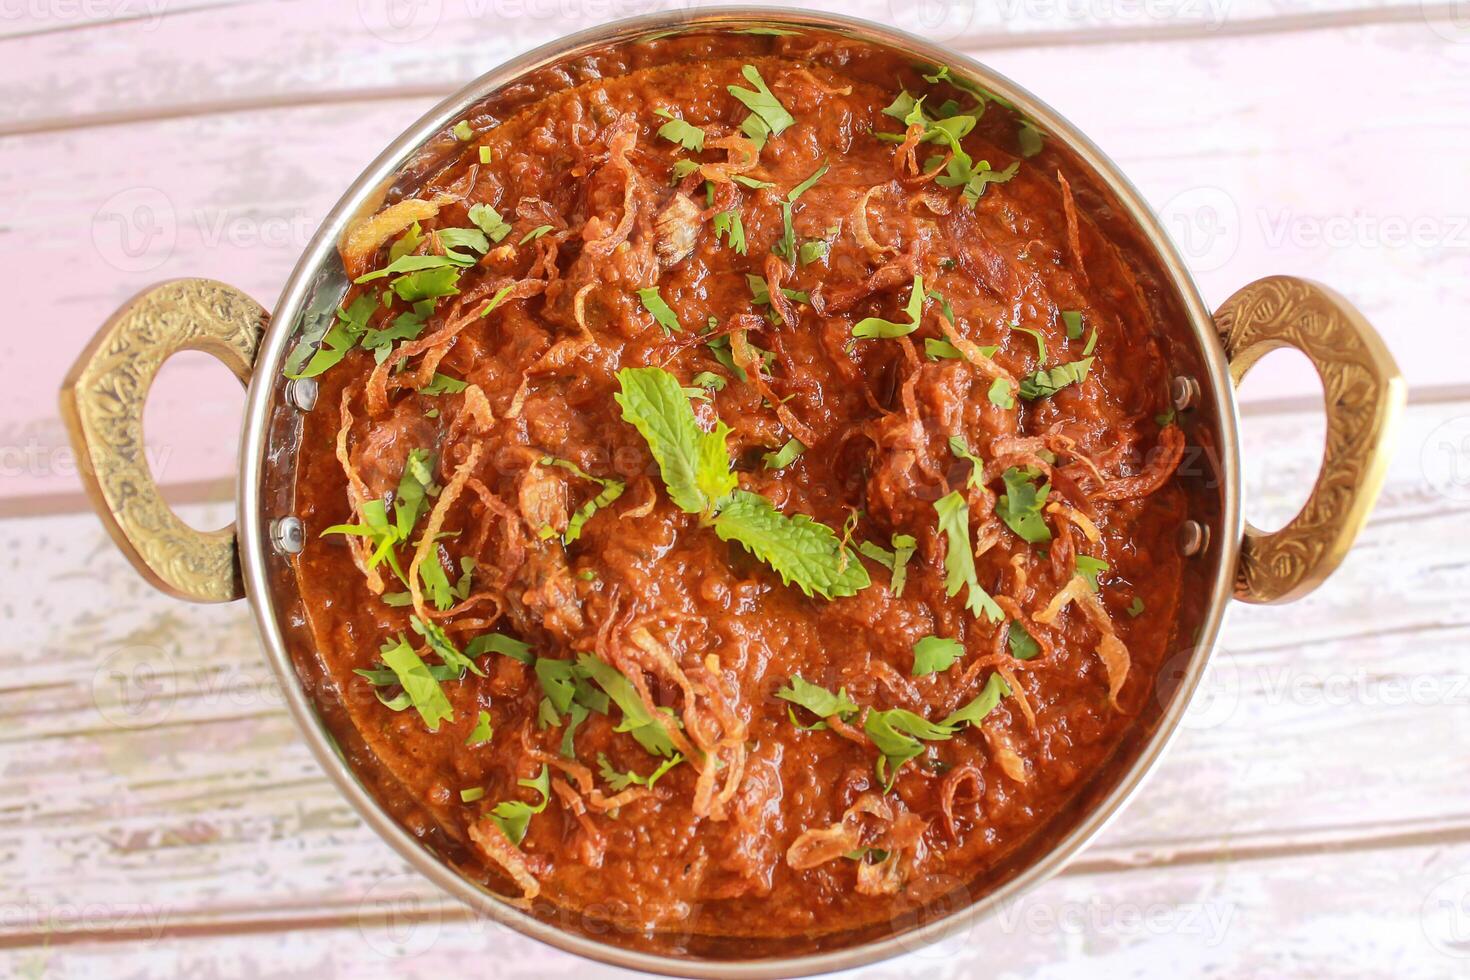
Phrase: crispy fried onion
[497,850]
[966,776]
[858,221]
[746,357]
[802,73]
[1161,466]
[1084,523]
[1074,232]
[582,777]
[1011,761]
[975,357]
[899,833]
[429,542]
[366,235]
[357,495]
[822,844]
[740,156]
[621,138]
[434,346]
[1110,649]
[594,844]
[713,726]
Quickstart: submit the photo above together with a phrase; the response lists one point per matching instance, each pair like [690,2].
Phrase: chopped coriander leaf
[443,384]
[501,644]
[683,168]
[708,379]
[1135,608]
[620,781]
[812,251]
[676,130]
[959,557]
[471,238]
[961,450]
[983,704]
[637,721]
[408,263]
[420,686]
[936,349]
[935,654]
[488,220]
[497,299]
[427,284]
[768,117]
[785,456]
[611,491]
[818,700]
[896,733]
[577,714]
[485,154]
[1090,568]
[463,132]
[1023,645]
[483,731]
[904,546]
[1021,505]
[727,225]
[440,643]
[535,233]
[1166,418]
[407,243]
[558,681]
[1040,341]
[1073,321]
[472,795]
[662,313]
[1045,383]
[414,484]
[1028,137]
[785,246]
[751,182]
[694,464]
[405,326]
[513,817]
[1091,344]
[350,324]
[876,327]
[799,549]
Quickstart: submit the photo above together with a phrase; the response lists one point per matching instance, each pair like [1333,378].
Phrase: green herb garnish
[676,130]
[877,327]
[959,559]
[768,117]
[934,654]
[785,456]
[1021,505]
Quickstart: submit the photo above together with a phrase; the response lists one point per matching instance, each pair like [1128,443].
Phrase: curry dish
[741,492]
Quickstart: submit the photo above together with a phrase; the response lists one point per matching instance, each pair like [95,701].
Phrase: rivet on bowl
[301,393]
[1194,538]
[288,535]
[1183,392]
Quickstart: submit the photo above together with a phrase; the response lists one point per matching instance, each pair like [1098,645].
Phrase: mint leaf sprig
[695,467]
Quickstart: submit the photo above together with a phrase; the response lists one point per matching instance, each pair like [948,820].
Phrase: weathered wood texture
[158,814]
[149,779]
[220,161]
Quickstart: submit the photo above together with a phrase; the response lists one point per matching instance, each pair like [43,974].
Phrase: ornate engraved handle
[1364,397]
[102,402]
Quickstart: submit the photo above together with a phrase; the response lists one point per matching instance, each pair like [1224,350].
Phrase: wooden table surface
[159,815]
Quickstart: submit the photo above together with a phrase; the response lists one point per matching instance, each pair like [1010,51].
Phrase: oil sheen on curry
[741,492]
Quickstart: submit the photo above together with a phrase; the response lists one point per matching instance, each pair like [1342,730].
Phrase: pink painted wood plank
[1250,183]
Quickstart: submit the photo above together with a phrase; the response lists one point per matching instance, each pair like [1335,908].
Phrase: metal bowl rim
[255,546]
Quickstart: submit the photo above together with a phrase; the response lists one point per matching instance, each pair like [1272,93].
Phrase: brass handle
[1364,394]
[102,402]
